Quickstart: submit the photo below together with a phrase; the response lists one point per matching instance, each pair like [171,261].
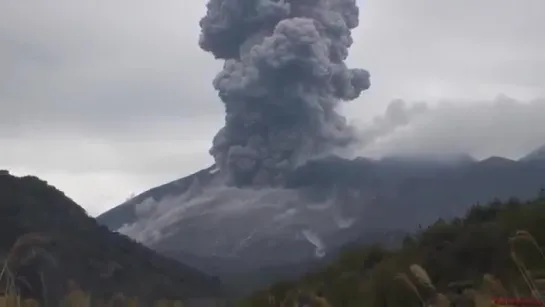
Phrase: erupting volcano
[283,76]
[272,200]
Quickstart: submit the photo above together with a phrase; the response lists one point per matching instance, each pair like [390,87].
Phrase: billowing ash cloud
[283,76]
[397,114]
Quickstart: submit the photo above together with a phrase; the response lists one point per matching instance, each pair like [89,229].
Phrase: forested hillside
[48,240]
[490,239]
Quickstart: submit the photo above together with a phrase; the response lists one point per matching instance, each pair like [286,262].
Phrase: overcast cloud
[111,97]
[502,126]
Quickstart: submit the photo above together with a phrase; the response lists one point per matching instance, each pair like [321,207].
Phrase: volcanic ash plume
[283,76]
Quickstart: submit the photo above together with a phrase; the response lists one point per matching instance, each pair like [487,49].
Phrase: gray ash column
[283,76]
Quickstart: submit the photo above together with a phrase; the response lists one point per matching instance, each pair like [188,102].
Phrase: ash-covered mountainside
[327,204]
[78,248]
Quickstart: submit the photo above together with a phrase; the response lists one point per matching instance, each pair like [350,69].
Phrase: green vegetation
[47,240]
[462,262]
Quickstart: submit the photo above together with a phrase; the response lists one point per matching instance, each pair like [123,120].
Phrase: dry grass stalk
[526,275]
[482,300]
[494,285]
[421,276]
[287,299]
[76,298]
[271,301]
[405,279]
[29,239]
[14,258]
[523,235]
[522,271]
[441,300]
[515,291]
[319,301]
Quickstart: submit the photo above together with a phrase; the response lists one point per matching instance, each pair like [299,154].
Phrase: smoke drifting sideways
[283,77]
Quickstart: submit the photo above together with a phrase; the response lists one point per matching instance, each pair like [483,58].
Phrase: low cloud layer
[500,127]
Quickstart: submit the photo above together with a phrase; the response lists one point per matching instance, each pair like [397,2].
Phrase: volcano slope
[229,231]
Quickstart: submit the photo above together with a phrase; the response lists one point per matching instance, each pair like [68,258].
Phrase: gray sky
[110,97]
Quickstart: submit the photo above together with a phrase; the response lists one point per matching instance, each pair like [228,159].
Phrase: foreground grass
[28,248]
[491,252]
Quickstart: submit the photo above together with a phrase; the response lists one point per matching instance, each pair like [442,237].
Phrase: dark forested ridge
[462,252]
[78,249]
